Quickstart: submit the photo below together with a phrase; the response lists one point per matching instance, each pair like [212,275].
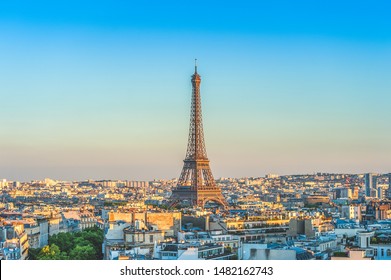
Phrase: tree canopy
[81,245]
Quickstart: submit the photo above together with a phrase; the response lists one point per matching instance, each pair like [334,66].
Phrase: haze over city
[96,91]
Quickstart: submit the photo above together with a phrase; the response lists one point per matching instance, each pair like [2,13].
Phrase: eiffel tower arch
[196,185]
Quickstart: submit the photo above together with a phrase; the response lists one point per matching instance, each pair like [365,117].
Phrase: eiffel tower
[196,185]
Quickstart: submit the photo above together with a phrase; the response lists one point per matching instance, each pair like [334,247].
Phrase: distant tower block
[196,185]
[370,185]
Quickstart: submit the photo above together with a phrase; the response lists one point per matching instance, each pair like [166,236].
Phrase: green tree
[52,252]
[83,253]
[81,245]
[80,241]
[95,238]
[33,253]
[64,241]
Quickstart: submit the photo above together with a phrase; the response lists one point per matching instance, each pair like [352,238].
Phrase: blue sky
[101,89]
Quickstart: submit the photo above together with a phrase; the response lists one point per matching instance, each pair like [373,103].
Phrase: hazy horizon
[102,90]
[153,179]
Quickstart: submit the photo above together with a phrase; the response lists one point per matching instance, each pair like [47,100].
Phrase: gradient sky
[101,89]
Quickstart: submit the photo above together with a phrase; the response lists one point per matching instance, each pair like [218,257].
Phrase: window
[382,252]
[151,238]
[375,252]
[388,252]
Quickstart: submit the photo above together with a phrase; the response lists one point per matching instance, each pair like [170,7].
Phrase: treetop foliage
[81,245]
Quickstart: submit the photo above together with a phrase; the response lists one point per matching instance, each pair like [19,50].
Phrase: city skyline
[285,90]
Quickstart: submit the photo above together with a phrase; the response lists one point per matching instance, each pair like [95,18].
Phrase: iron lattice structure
[196,184]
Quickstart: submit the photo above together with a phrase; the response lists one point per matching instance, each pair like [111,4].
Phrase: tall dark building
[196,185]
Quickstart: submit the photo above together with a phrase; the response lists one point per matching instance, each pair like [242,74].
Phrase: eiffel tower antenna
[195,65]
